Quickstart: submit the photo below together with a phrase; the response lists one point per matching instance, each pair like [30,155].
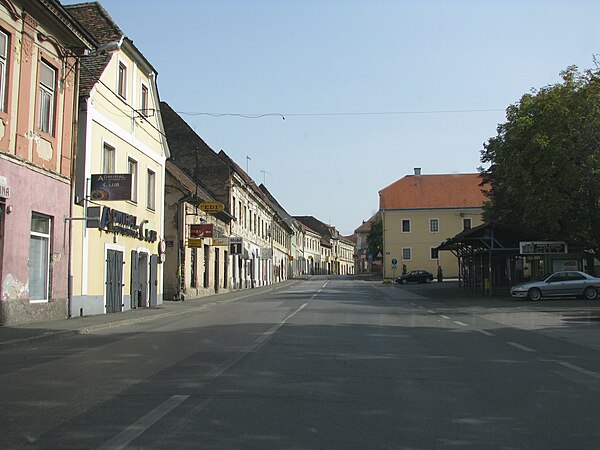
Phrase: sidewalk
[31,333]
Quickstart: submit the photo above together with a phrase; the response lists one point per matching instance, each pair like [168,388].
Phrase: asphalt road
[323,364]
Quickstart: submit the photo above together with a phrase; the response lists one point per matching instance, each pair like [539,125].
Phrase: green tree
[544,163]
[375,237]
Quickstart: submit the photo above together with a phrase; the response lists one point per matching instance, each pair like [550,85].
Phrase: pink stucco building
[39,44]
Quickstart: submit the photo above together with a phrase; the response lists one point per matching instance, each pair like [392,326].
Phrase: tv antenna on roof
[264,172]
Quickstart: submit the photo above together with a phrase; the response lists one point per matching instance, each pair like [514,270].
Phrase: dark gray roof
[282,213]
[193,156]
[94,18]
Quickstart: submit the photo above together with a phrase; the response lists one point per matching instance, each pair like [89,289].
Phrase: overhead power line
[355,113]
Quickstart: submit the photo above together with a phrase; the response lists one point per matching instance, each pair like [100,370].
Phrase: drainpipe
[74,143]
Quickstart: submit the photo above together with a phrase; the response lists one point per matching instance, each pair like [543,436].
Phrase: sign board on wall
[201,230]
[542,247]
[121,223]
[111,187]
[4,187]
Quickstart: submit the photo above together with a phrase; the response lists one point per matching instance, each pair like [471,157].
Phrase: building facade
[39,51]
[336,256]
[283,231]
[345,255]
[117,251]
[196,241]
[251,263]
[419,212]
[311,251]
[363,261]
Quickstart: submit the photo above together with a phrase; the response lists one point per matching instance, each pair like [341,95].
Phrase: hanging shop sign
[111,187]
[194,243]
[201,230]
[542,247]
[220,241]
[236,245]
[117,222]
[212,207]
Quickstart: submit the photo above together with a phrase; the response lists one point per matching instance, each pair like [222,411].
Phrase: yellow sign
[220,241]
[194,243]
[212,207]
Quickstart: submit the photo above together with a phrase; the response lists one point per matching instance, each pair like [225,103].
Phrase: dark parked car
[559,284]
[415,276]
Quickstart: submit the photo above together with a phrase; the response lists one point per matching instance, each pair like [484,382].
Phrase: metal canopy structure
[489,255]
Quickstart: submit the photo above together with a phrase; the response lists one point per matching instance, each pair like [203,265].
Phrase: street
[328,363]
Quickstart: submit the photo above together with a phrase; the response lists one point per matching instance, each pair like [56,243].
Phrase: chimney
[417,171]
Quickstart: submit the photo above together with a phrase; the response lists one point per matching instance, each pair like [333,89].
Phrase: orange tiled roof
[433,191]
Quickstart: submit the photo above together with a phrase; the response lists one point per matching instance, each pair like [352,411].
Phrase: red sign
[201,230]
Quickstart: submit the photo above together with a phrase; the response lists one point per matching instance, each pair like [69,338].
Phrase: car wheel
[534,294]
[428,280]
[590,293]
[404,281]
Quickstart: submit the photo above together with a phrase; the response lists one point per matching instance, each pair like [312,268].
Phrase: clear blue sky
[335,69]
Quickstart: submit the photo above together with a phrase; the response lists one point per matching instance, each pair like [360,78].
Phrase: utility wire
[331,114]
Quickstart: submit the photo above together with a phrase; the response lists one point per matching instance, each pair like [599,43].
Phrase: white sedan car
[559,284]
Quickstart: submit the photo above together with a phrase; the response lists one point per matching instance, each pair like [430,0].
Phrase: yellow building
[419,212]
[119,179]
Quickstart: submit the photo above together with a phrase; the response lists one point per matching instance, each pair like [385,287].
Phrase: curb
[191,304]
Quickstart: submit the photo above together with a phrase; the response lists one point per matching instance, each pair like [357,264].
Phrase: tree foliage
[375,237]
[544,163]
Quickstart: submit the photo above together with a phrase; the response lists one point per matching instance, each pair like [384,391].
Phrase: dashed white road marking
[294,313]
[580,369]
[462,324]
[277,326]
[444,317]
[124,438]
[487,333]
[520,347]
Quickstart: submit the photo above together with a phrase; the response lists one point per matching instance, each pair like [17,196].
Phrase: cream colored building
[311,251]
[116,262]
[282,238]
[345,253]
[249,208]
[336,252]
[196,241]
[419,212]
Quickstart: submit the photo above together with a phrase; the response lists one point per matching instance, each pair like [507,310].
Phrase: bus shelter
[492,257]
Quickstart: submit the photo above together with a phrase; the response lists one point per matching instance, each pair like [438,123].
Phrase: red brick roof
[433,191]
[366,225]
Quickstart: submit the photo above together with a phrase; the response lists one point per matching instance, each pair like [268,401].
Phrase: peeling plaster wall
[49,195]
[44,150]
